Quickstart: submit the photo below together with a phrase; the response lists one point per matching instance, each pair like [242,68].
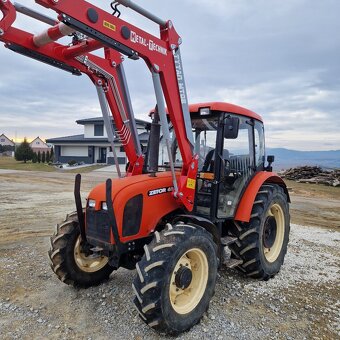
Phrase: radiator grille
[97,225]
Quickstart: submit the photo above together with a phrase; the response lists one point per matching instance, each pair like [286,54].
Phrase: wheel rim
[273,232]
[189,281]
[91,263]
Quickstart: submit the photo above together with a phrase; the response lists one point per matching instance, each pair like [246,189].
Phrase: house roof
[40,140]
[10,141]
[75,139]
[101,120]
[143,137]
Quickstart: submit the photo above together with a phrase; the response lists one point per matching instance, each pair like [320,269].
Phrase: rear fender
[245,206]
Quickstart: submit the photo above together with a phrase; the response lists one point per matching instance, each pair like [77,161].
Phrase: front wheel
[68,260]
[262,243]
[176,277]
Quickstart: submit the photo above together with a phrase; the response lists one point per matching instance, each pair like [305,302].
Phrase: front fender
[245,206]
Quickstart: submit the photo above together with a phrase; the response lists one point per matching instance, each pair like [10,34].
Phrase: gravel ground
[301,302]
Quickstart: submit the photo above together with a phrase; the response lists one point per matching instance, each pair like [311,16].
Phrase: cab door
[236,166]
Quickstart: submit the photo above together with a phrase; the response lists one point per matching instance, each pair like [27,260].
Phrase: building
[38,144]
[5,141]
[7,146]
[93,146]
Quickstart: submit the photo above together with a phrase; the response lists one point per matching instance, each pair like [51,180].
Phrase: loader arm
[72,59]
[117,37]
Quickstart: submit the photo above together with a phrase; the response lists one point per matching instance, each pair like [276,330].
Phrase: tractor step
[228,240]
[232,263]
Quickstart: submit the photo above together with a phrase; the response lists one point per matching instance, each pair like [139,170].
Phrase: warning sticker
[191,183]
[108,25]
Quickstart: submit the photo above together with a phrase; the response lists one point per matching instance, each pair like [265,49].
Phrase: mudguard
[245,206]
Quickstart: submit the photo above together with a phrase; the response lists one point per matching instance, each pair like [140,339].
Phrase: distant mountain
[285,158]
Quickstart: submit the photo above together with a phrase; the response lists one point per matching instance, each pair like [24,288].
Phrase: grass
[11,164]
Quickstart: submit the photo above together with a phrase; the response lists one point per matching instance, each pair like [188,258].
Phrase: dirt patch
[315,205]
[302,301]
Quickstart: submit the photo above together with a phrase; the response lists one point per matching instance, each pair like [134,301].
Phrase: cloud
[296,112]
[277,58]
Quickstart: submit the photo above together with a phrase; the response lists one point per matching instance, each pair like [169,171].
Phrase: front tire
[68,261]
[176,278]
[262,243]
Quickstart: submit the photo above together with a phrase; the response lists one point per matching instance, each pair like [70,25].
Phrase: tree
[35,157]
[39,157]
[48,157]
[24,152]
[43,158]
[52,155]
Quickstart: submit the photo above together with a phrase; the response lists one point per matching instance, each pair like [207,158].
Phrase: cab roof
[225,107]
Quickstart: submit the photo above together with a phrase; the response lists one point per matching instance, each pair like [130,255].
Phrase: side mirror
[270,159]
[231,125]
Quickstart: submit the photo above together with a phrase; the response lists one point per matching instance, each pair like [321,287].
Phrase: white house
[5,141]
[38,144]
[7,146]
[93,146]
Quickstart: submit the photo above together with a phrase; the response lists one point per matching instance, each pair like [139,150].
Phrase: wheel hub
[183,278]
[86,261]
[188,281]
[269,232]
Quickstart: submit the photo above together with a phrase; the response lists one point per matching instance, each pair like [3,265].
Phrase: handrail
[34,14]
[143,12]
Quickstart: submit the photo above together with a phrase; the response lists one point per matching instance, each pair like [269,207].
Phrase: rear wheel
[176,277]
[68,260]
[262,243]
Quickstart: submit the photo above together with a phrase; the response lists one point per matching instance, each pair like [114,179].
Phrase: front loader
[201,187]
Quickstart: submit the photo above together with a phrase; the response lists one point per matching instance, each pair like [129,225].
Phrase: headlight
[92,203]
[104,206]
[205,111]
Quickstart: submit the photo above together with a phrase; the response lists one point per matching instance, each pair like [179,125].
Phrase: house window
[3,140]
[99,130]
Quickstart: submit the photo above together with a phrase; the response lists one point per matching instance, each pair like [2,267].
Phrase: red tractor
[201,185]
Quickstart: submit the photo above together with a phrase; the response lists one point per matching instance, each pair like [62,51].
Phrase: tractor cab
[229,141]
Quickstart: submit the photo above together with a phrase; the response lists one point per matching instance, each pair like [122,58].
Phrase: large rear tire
[262,243]
[71,265]
[176,278]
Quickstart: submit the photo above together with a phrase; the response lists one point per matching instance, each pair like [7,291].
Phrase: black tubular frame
[112,220]
[79,207]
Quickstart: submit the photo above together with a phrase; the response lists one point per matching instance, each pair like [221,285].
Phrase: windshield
[204,131]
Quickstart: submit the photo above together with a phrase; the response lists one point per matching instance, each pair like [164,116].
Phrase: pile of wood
[312,174]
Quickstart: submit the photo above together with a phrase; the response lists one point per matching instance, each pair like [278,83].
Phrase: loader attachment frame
[94,29]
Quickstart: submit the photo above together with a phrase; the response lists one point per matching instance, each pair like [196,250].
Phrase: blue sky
[277,58]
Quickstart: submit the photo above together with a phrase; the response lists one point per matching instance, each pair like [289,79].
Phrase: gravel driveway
[302,301]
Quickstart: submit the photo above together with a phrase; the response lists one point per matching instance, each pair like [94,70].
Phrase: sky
[278,58]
